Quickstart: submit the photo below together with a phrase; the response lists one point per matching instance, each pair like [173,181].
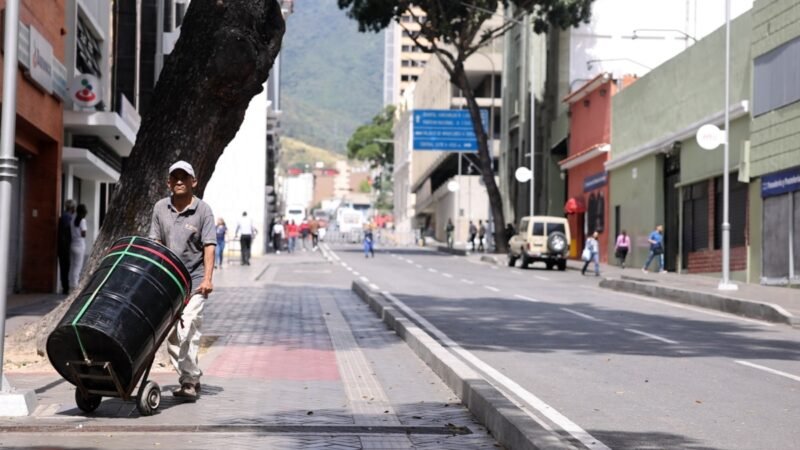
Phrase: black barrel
[119,317]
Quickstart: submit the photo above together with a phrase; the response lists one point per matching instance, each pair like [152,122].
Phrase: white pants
[184,341]
[76,256]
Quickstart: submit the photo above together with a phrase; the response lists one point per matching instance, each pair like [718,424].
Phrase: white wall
[239,179]
[609,35]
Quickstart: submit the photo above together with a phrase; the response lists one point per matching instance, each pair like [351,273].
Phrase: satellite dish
[523,174]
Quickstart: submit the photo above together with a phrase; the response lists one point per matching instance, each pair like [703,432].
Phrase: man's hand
[205,288]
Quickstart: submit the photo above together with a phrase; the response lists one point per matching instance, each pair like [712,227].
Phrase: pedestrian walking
[304,233]
[313,228]
[591,252]
[222,230]
[472,231]
[656,240]
[449,230]
[185,224]
[64,244]
[509,232]
[246,232]
[292,232]
[481,235]
[369,241]
[277,236]
[77,246]
[622,247]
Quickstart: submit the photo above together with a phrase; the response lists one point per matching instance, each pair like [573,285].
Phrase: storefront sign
[595,181]
[780,182]
[41,61]
[85,90]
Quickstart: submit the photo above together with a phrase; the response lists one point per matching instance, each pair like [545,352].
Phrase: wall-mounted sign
[595,181]
[85,90]
[41,61]
[780,182]
[448,130]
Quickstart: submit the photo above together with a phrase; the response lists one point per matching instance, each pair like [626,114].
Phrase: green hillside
[297,154]
[332,75]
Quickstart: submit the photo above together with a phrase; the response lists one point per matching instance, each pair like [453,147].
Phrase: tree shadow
[493,324]
[648,440]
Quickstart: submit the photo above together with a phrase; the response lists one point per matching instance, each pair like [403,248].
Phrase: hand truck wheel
[150,398]
[89,403]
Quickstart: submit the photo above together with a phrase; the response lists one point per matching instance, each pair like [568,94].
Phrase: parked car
[540,238]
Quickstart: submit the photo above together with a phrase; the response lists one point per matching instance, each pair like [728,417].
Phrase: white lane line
[651,336]
[432,270]
[539,277]
[767,369]
[344,264]
[491,288]
[350,269]
[508,384]
[365,279]
[685,307]
[356,273]
[409,261]
[466,281]
[446,275]
[527,298]
[419,266]
[580,314]
[374,286]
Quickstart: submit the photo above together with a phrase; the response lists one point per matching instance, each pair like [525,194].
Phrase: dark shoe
[197,387]
[187,390]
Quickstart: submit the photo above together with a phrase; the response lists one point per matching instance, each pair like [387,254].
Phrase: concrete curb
[490,259]
[746,308]
[511,426]
[452,251]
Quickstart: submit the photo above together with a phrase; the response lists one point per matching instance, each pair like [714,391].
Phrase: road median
[509,424]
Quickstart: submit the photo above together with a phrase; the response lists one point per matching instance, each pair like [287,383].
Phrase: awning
[574,206]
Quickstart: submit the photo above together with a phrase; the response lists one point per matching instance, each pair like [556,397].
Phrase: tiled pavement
[297,362]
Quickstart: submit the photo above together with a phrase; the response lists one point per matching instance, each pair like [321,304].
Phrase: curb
[452,251]
[511,426]
[490,259]
[746,308]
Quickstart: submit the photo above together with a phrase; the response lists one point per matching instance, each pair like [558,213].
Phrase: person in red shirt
[304,232]
[292,231]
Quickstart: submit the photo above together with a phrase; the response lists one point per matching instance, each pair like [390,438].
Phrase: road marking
[419,266]
[516,272]
[356,273]
[344,264]
[349,269]
[447,275]
[374,286]
[539,277]
[409,261]
[651,336]
[684,307]
[365,279]
[580,314]
[432,270]
[491,288]
[508,384]
[767,369]
[527,298]
[466,281]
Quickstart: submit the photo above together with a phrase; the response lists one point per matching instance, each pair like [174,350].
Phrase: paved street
[617,369]
[292,359]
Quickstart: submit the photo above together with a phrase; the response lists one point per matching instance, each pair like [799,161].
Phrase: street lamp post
[725,283]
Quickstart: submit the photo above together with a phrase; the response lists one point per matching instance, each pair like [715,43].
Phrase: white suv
[540,238]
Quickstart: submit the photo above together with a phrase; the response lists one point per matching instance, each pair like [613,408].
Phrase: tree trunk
[484,157]
[221,60]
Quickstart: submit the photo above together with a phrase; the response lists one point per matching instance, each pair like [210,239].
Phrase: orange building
[36,190]
[589,145]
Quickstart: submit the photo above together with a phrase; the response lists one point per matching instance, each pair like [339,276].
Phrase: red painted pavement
[275,363]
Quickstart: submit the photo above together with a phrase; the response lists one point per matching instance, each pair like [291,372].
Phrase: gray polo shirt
[185,233]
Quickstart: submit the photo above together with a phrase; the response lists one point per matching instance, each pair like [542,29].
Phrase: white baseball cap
[182,165]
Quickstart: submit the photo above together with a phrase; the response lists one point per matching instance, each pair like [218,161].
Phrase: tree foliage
[455,30]
[221,60]
[373,142]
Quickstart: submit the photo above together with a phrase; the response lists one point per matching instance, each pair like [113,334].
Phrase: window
[737,214]
[695,217]
[538,228]
[405,63]
[775,81]
[523,226]
[87,53]
[553,227]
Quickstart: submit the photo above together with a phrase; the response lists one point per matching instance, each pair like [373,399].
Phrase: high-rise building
[404,61]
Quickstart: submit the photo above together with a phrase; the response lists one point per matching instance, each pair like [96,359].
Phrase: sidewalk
[773,304]
[291,359]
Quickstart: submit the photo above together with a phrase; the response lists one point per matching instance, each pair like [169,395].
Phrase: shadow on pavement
[647,441]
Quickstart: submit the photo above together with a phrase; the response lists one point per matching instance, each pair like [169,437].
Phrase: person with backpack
[656,241]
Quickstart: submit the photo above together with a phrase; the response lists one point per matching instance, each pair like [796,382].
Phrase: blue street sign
[780,183]
[448,130]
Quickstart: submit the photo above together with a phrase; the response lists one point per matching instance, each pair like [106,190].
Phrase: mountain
[297,154]
[332,75]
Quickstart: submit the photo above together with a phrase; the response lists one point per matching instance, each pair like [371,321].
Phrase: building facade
[404,61]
